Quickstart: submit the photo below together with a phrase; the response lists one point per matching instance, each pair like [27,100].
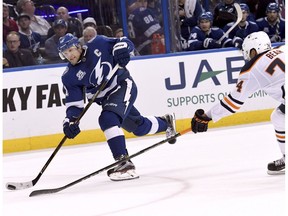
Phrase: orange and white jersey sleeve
[266,71]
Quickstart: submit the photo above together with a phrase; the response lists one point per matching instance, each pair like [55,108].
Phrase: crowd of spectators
[29,39]
[29,34]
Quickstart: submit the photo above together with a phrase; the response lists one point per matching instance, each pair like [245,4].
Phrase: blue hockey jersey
[197,36]
[142,25]
[271,30]
[241,32]
[87,76]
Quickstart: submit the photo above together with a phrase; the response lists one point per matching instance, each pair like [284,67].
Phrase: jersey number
[239,86]
[277,62]
[270,69]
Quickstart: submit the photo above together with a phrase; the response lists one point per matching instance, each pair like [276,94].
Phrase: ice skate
[124,171]
[170,132]
[277,167]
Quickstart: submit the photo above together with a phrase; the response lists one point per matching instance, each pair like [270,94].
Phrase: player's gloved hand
[199,122]
[210,43]
[121,53]
[275,38]
[70,129]
[237,42]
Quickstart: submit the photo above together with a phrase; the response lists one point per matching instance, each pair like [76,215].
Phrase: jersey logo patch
[97,53]
[80,74]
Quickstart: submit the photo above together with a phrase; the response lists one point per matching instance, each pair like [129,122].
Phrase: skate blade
[280,172]
[129,175]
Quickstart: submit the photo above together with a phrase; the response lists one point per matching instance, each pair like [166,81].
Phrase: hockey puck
[172,141]
[10,187]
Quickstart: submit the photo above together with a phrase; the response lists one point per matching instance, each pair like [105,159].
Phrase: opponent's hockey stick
[55,190]
[24,185]
[239,18]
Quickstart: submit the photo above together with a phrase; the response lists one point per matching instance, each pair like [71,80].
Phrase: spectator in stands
[204,36]
[29,39]
[60,28]
[90,21]
[243,29]
[272,24]
[189,11]
[224,13]
[15,56]
[8,24]
[118,33]
[88,34]
[142,32]
[62,13]
[38,24]
[101,30]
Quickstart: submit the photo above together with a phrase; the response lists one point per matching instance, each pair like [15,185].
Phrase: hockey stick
[239,18]
[24,185]
[55,190]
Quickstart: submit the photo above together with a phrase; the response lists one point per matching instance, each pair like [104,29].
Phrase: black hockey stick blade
[56,190]
[25,185]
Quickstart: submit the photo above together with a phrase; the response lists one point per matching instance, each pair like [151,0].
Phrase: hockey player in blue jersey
[204,36]
[87,68]
[243,29]
[272,24]
[143,24]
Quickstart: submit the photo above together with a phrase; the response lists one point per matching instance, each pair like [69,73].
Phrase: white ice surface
[221,172]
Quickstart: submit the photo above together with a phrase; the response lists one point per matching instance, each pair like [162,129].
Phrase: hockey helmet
[272,7]
[66,42]
[244,7]
[259,41]
[206,16]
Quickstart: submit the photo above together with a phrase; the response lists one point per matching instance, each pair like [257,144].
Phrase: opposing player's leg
[277,167]
[278,119]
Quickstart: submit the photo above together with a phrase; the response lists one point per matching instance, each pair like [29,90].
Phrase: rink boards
[33,108]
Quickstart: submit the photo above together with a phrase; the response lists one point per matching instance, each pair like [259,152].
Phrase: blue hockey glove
[200,121]
[121,53]
[70,129]
[237,42]
[210,43]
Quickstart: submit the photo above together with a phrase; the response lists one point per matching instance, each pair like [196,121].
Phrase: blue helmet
[67,41]
[272,7]
[244,7]
[206,16]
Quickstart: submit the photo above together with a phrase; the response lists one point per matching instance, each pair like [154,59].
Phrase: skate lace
[279,162]
[125,165]
[170,129]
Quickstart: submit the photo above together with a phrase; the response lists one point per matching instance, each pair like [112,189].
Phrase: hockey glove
[70,129]
[210,43]
[200,121]
[275,38]
[237,42]
[121,53]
